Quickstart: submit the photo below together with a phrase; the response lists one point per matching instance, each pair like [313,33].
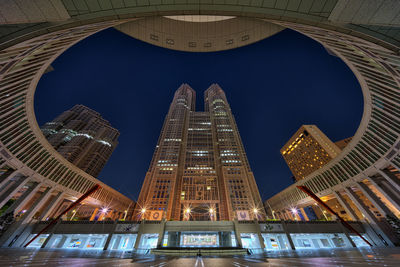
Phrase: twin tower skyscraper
[199,169]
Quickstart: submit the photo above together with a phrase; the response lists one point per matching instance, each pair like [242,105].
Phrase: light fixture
[211,210]
[104,210]
[187,210]
[255,210]
[143,210]
[294,210]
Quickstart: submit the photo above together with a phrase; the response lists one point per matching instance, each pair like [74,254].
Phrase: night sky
[273,86]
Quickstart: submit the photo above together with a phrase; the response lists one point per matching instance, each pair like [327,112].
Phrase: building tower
[83,137]
[308,150]
[199,169]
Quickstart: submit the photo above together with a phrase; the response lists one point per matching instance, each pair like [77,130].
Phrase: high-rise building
[83,137]
[199,169]
[308,150]
[341,144]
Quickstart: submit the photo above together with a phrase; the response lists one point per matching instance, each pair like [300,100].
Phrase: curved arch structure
[29,47]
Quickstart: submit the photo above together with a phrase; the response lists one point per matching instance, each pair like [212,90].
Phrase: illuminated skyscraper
[308,150]
[83,137]
[199,169]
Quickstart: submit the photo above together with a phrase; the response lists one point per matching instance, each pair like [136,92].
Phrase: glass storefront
[315,241]
[148,241]
[122,242]
[38,242]
[250,240]
[358,241]
[90,241]
[275,241]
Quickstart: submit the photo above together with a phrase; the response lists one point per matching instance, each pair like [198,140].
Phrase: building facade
[364,36]
[199,169]
[341,144]
[308,150]
[83,137]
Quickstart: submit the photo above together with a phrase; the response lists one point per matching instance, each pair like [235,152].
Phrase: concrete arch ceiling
[364,34]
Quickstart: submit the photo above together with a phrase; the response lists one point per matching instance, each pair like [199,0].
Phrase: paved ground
[322,258]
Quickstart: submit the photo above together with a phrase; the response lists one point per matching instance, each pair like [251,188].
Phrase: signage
[156,215]
[127,228]
[243,215]
[271,227]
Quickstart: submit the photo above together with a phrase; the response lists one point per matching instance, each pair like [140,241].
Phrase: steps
[199,251]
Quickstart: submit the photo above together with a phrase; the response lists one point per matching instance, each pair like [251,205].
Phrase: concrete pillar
[260,238]
[52,205]
[284,226]
[346,206]
[304,214]
[139,234]
[46,243]
[290,217]
[237,233]
[94,214]
[391,178]
[108,240]
[24,198]
[8,178]
[3,164]
[7,194]
[161,233]
[102,214]
[346,232]
[16,233]
[375,200]
[368,214]
[386,191]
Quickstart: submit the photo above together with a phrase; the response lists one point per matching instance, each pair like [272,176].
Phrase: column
[375,200]
[11,175]
[46,243]
[52,205]
[260,238]
[386,191]
[391,178]
[161,233]
[368,214]
[346,232]
[346,206]
[237,233]
[304,214]
[3,164]
[94,214]
[24,198]
[110,236]
[18,230]
[284,226]
[10,192]
[139,234]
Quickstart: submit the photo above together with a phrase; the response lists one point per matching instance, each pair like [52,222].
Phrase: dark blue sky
[273,86]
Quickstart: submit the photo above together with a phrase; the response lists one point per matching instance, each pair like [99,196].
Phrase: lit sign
[199,240]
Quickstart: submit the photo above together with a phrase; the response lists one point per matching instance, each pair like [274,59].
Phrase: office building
[308,150]
[199,169]
[83,137]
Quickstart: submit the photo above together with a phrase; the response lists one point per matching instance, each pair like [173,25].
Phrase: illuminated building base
[145,236]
